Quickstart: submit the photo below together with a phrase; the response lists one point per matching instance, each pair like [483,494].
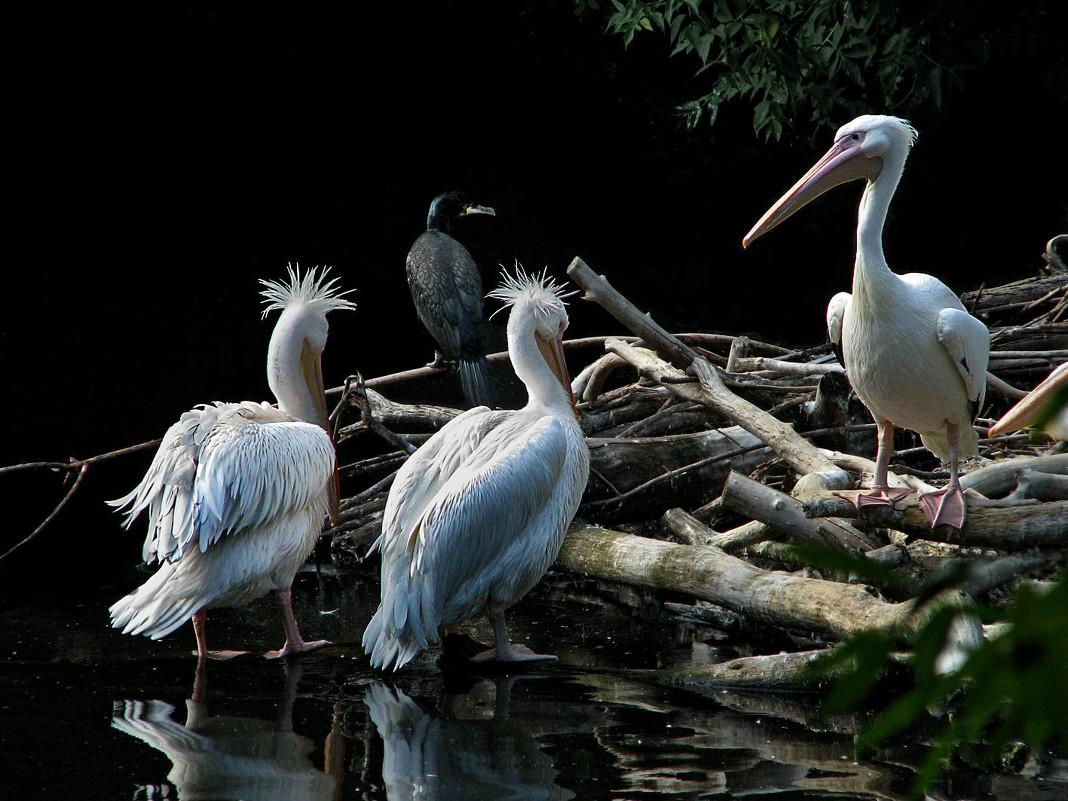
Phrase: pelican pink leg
[505,650]
[200,620]
[295,644]
[882,494]
[947,506]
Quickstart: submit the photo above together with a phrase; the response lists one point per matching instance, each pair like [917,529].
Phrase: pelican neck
[543,387]
[285,375]
[871,273]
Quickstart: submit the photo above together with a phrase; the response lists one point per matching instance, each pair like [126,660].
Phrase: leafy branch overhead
[822,61]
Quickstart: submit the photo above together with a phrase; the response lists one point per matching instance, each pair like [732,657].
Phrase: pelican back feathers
[235,495]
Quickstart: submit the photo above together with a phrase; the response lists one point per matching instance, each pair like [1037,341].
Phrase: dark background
[162,161]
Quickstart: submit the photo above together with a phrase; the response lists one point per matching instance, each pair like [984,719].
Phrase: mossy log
[783,671]
[787,600]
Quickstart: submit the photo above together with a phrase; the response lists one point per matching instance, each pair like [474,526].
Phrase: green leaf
[703,47]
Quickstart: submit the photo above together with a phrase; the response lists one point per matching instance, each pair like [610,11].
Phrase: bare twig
[66,498]
[75,464]
[369,420]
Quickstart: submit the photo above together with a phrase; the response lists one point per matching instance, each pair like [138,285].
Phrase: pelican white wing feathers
[477,515]
[225,468]
[237,492]
[967,341]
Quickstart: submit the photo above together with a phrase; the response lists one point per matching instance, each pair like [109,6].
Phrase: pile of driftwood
[710,453]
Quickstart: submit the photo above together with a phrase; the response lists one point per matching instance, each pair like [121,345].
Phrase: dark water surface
[87,712]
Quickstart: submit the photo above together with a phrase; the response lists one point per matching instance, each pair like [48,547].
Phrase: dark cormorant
[447,291]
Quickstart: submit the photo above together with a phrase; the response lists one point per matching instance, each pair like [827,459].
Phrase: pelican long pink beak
[1045,406]
[552,350]
[845,161]
[311,367]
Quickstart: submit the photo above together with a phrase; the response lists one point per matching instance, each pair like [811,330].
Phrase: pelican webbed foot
[218,656]
[944,507]
[514,653]
[876,496]
[296,648]
[200,625]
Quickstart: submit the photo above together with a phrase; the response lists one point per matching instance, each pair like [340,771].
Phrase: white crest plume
[540,291]
[310,289]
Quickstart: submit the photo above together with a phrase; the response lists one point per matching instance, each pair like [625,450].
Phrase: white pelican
[237,492]
[477,514]
[1046,406]
[447,291]
[915,357]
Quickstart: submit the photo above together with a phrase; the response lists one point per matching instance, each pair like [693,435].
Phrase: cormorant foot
[296,649]
[946,507]
[440,363]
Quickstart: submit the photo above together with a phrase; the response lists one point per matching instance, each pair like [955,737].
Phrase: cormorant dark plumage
[447,291]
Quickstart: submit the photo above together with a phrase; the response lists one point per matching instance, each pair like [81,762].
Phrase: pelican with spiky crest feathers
[913,353]
[478,514]
[237,492]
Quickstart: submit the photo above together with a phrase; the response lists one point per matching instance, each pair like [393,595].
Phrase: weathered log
[633,478]
[1002,477]
[1040,486]
[406,417]
[589,383]
[800,454]
[784,671]
[780,367]
[1014,296]
[644,410]
[1007,526]
[785,514]
[787,443]
[599,291]
[693,532]
[1031,337]
[781,599]
[866,467]
[986,575]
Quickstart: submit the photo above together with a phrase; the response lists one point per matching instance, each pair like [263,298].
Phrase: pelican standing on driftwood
[237,492]
[914,355]
[447,291]
[478,514]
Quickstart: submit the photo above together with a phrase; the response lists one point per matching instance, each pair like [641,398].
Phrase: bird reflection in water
[463,751]
[224,757]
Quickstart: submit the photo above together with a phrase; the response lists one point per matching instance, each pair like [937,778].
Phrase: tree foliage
[825,61]
[1008,691]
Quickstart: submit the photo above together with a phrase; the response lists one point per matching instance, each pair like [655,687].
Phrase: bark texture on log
[781,599]
[640,477]
[784,671]
[785,514]
[1014,526]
